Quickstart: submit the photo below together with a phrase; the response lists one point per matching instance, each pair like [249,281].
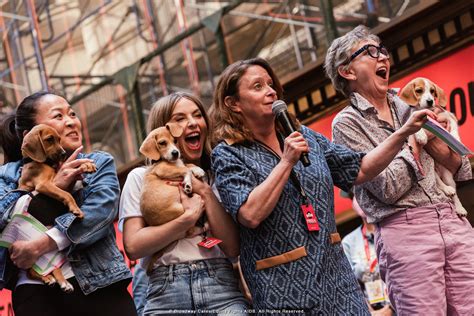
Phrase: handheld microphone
[280,110]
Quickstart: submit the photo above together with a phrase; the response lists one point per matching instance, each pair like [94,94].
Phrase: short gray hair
[339,53]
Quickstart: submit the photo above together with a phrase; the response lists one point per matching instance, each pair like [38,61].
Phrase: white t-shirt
[184,250]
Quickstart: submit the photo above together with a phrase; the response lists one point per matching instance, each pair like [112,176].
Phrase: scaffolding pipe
[77,80]
[93,12]
[329,21]
[70,30]
[310,36]
[190,31]
[9,56]
[150,19]
[294,39]
[37,43]
[123,105]
[22,57]
[187,48]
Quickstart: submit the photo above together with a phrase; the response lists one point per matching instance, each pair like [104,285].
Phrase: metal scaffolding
[112,59]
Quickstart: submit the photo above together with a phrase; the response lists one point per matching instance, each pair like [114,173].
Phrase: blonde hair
[162,110]
[227,123]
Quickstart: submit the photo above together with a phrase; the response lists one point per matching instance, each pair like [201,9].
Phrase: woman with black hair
[94,266]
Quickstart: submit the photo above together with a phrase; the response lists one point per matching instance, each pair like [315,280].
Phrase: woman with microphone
[291,254]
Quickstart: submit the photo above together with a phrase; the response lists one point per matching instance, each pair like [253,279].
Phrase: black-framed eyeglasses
[372,50]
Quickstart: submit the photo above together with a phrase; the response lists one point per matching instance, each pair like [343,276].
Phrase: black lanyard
[293,176]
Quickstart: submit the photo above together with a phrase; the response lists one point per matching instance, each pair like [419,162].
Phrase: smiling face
[56,112]
[256,95]
[192,141]
[367,75]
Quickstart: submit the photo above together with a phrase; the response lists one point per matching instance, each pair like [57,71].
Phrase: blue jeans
[206,287]
[139,287]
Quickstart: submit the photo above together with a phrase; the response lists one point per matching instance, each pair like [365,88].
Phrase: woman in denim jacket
[95,266]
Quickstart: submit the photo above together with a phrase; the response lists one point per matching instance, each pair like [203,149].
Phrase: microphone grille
[279,106]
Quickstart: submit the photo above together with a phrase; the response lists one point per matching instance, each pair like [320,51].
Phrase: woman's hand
[295,145]
[200,187]
[384,311]
[71,170]
[416,121]
[193,208]
[25,253]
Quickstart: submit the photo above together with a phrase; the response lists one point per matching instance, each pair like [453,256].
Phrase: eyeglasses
[372,50]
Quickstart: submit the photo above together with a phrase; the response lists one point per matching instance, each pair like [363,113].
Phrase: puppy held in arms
[160,200]
[43,154]
[425,94]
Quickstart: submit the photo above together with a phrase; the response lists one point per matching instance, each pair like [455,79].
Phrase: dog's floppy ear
[175,129]
[32,145]
[441,95]
[407,94]
[149,147]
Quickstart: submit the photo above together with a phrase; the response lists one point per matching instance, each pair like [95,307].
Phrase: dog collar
[53,164]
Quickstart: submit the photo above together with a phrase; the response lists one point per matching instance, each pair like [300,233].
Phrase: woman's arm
[140,240]
[221,223]
[375,161]
[264,197]
[442,154]
[100,197]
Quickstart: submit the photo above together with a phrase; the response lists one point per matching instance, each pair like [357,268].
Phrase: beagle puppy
[422,93]
[160,201]
[42,154]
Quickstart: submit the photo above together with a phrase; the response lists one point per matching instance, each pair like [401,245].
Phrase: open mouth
[73,134]
[382,72]
[193,140]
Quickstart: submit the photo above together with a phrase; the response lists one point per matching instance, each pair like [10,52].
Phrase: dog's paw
[449,191]
[198,172]
[187,188]
[88,167]
[77,212]
[421,138]
[461,211]
[66,287]
[48,280]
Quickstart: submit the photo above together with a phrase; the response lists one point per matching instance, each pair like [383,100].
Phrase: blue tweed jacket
[321,282]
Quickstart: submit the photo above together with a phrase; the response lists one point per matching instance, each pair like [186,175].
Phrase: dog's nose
[175,154]
[63,154]
[430,102]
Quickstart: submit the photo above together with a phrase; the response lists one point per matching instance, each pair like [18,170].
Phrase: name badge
[209,242]
[310,217]
[375,291]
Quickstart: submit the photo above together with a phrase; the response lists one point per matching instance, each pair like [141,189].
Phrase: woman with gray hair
[417,224]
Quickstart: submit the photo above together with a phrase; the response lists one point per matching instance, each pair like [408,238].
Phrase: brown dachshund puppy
[160,200]
[43,154]
[422,93]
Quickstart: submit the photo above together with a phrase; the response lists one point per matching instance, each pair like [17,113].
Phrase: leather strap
[286,257]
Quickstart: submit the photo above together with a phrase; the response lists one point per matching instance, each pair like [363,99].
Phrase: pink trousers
[426,258]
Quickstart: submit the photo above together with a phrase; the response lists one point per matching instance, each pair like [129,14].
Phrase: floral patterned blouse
[401,185]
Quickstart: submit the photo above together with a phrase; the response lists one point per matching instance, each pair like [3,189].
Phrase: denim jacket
[93,253]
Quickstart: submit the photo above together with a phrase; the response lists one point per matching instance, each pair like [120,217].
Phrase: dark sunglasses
[372,50]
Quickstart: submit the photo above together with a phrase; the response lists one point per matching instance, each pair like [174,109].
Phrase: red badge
[209,242]
[310,217]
